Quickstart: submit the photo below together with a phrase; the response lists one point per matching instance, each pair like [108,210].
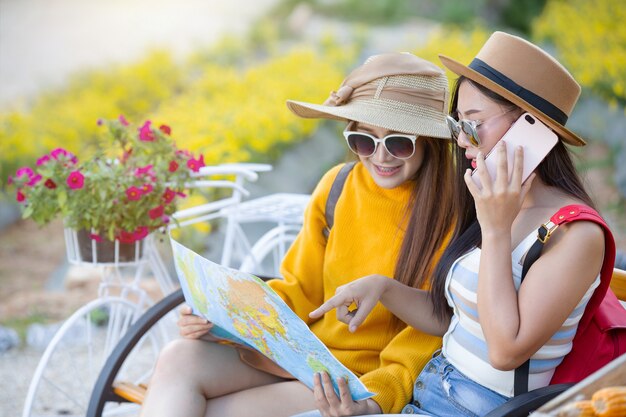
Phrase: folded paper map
[245,310]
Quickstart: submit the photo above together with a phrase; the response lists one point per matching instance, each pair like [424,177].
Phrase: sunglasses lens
[470,132]
[399,146]
[455,129]
[361,145]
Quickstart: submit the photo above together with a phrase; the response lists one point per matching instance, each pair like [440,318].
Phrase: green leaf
[28,211]
[62,198]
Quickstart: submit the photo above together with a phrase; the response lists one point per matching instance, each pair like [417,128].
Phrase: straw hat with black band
[528,77]
[396,91]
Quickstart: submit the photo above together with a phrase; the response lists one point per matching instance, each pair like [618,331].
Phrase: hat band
[528,96]
[414,96]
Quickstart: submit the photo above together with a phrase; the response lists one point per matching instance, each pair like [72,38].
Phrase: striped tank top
[464,343]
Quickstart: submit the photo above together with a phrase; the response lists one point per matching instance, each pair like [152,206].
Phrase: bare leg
[188,372]
[274,400]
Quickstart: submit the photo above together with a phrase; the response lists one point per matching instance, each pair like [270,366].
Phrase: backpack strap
[333,196]
[568,214]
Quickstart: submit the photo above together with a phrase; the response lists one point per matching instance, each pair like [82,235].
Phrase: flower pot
[105,249]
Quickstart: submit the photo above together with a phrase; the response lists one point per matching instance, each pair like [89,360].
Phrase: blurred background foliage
[228,109]
[227,101]
[590,37]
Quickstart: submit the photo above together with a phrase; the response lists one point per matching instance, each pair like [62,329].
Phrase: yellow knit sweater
[365,240]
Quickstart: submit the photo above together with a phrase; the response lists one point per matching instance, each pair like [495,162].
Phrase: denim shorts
[441,390]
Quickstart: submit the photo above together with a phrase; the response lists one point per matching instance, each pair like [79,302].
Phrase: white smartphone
[536,139]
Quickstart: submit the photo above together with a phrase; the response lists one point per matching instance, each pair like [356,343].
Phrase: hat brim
[460,69]
[416,120]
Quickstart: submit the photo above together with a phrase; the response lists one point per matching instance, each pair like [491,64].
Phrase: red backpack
[601,334]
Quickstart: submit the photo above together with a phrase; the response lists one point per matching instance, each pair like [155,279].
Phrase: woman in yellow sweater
[396,106]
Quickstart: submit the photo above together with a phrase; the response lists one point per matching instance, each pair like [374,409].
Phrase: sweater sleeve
[302,286]
[400,363]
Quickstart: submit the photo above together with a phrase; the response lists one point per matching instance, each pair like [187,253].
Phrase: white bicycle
[110,345]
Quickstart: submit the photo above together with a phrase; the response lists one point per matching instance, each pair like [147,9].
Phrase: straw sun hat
[395,91]
[528,77]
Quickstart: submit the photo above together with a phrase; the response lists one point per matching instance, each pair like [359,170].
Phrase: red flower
[75,180]
[50,184]
[145,132]
[165,129]
[156,212]
[20,196]
[173,166]
[126,237]
[196,164]
[133,193]
[168,195]
[96,237]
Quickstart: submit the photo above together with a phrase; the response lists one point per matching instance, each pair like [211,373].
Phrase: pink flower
[145,133]
[25,171]
[58,152]
[147,170]
[34,180]
[75,180]
[196,164]
[43,160]
[184,153]
[99,122]
[20,196]
[181,194]
[140,232]
[165,129]
[156,212]
[10,180]
[133,193]
[165,219]
[168,195]
[96,237]
[173,166]
[50,184]
[147,188]
[123,120]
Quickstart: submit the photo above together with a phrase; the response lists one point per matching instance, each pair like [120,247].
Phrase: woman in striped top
[491,323]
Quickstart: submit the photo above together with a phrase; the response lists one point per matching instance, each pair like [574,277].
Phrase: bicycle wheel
[267,253]
[67,371]
[104,397]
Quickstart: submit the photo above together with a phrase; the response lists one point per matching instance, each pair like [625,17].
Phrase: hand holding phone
[533,136]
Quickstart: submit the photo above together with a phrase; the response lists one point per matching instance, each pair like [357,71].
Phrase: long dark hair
[557,170]
[430,216]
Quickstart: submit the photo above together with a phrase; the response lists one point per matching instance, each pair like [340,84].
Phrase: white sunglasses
[363,144]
